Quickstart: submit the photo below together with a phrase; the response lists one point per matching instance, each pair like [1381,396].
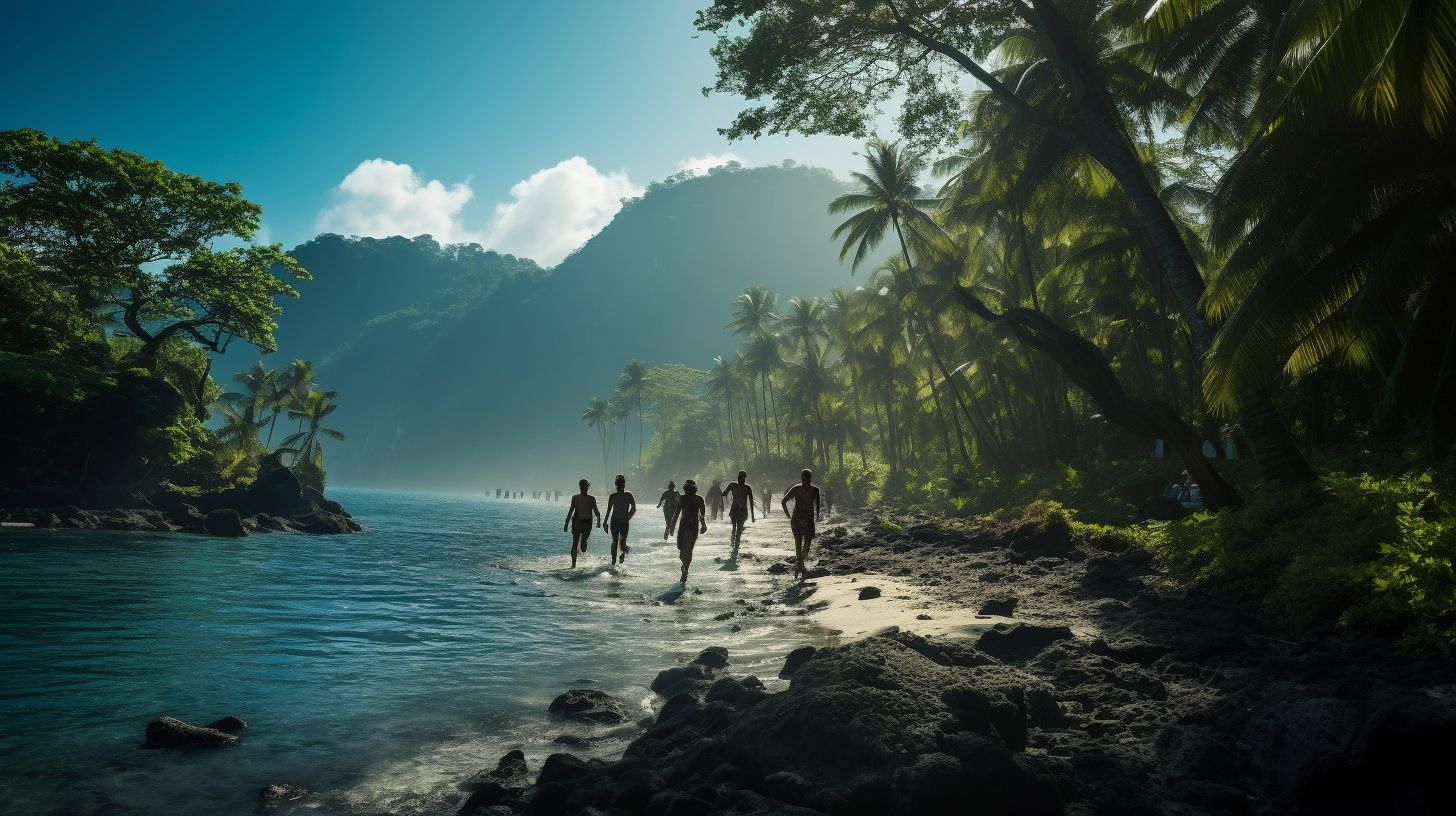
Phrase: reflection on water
[379,669]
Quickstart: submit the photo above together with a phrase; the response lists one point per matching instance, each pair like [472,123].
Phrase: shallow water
[379,669]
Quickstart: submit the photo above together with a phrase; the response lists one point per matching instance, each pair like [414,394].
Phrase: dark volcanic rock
[563,768]
[486,796]
[510,773]
[169,732]
[796,658]
[228,724]
[589,705]
[667,678]
[1005,607]
[1021,641]
[714,657]
[224,523]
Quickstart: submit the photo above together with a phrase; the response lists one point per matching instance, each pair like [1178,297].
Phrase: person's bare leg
[575,542]
[686,553]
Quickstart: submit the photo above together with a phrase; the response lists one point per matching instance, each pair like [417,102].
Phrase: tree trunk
[1088,369]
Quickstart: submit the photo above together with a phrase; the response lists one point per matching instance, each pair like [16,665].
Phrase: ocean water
[377,669]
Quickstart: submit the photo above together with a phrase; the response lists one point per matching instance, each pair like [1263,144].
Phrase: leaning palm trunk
[1088,369]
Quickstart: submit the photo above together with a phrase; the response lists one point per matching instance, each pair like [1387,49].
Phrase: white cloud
[701,164]
[380,198]
[557,209]
[551,213]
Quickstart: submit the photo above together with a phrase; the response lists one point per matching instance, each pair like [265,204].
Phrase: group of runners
[686,514]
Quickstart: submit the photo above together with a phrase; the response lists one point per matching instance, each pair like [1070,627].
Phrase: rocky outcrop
[275,502]
[588,705]
[169,732]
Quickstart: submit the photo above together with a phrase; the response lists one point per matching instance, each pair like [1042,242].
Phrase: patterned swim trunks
[803,526]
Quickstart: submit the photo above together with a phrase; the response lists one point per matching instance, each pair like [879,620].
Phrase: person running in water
[625,507]
[742,495]
[715,500]
[668,503]
[579,519]
[691,516]
[806,512]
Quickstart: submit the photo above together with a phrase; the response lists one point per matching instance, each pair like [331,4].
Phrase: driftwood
[1085,366]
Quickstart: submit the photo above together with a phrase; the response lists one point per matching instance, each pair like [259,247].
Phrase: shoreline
[1082,677]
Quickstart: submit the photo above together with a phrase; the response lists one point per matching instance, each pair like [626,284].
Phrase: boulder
[869,593]
[169,732]
[562,768]
[714,657]
[489,795]
[984,779]
[510,773]
[589,705]
[635,789]
[667,678]
[1004,607]
[796,658]
[224,523]
[1020,641]
[228,724]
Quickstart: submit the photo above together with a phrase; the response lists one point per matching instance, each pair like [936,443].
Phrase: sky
[516,125]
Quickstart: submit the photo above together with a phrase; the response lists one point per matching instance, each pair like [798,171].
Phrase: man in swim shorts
[806,512]
[621,507]
[742,495]
[691,516]
[579,519]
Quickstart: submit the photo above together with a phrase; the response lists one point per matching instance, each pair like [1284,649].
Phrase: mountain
[463,369]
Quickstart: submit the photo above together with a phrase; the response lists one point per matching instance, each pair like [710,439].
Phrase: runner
[767,499]
[625,507]
[694,522]
[715,500]
[805,514]
[742,495]
[579,519]
[668,503]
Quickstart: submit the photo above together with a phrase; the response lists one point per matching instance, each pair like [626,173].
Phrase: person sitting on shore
[691,516]
[742,510]
[624,506]
[806,512]
[668,503]
[579,519]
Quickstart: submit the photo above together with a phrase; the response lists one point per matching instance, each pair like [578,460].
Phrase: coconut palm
[600,414]
[889,198]
[633,381]
[308,452]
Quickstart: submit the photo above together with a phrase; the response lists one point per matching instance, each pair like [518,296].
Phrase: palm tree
[889,198]
[599,414]
[763,357]
[308,452]
[753,311]
[633,383]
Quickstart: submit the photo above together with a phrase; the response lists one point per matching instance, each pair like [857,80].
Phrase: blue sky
[477,99]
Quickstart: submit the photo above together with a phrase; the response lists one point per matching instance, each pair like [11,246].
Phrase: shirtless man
[742,495]
[625,506]
[806,512]
[691,517]
[579,519]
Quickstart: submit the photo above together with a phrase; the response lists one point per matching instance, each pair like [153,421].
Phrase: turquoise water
[378,669]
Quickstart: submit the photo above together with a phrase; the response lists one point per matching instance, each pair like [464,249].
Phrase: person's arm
[676,511]
[597,512]
[752,513]
[631,507]
[702,515]
[784,501]
[611,503]
[570,510]
[661,499]
[818,507]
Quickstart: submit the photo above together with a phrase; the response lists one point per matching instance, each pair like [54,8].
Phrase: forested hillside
[465,369]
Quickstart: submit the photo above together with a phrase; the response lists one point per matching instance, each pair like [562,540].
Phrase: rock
[939,783]
[489,795]
[869,593]
[590,705]
[636,788]
[510,773]
[669,677]
[1021,641]
[1162,508]
[169,732]
[796,658]
[1004,607]
[187,517]
[228,724]
[562,768]
[278,794]
[328,505]
[224,523]
[1143,654]
[714,657]
[777,569]
[550,799]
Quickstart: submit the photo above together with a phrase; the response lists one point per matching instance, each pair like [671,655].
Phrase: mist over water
[379,669]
